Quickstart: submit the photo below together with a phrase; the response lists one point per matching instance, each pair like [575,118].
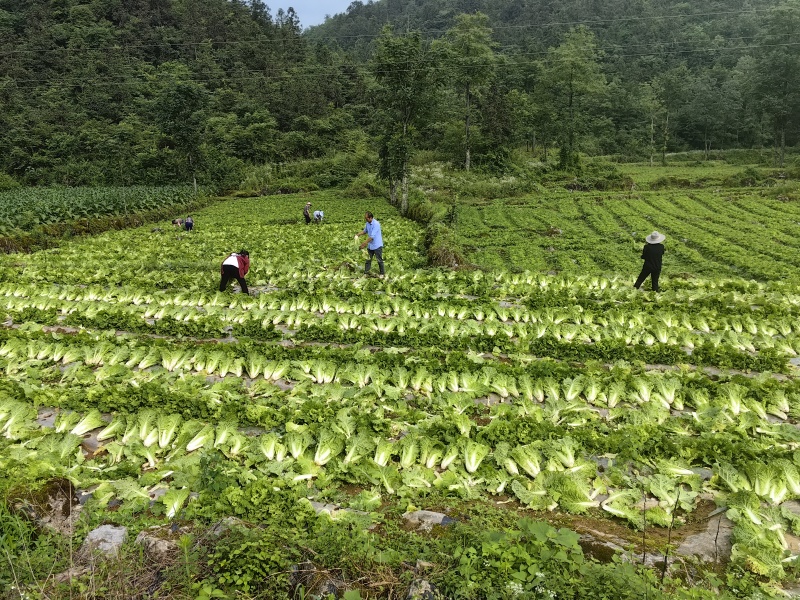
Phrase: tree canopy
[167,91]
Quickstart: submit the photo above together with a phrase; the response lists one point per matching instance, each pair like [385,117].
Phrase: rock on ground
[55,506]
[107,539]
[224,526]
[712,545]
[426,519]
[316,584]
[422,590]
[160,542]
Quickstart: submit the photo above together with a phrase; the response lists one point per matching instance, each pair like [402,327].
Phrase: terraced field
[711,233]
[127,373]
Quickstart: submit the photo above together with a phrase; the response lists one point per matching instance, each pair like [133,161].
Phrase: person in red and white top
[235,267]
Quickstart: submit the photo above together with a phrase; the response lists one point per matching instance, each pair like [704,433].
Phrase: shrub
[365,185]
[423,210]
[254,561]
[422,158]
[600,176]
[7,183]
[537,560]
[337,170]
[443,249]
[670,182]
[221,171]
[747,178]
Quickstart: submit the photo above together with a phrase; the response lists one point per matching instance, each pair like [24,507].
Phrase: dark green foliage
[7,183]
[535,559]
[255,329]
[158,94]
[747,178]
[599,176]
[137,93]
[442,247]
[21,542]
[255,561]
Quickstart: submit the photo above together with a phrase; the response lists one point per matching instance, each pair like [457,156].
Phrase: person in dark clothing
[188,223]
[307,213]
[235,267]
[651,254]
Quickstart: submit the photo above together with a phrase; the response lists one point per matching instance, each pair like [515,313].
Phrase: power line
[266,40]
[590,21]
[248,74]
[612,47]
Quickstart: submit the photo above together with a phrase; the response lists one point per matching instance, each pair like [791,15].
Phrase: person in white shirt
[235,267]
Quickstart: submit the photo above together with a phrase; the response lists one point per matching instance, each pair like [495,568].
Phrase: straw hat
[655,238]
[308,203]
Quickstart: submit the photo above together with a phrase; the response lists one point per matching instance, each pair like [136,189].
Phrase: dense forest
[166,91]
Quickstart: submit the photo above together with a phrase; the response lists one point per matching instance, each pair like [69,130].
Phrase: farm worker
[235,267]
[374,243]
[177,222]
[318,216]
[651,254]
[307,213]
[188,223]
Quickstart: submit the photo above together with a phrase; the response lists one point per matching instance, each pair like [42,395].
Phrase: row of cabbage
[134,420]
[62,353]
[543,474]
[352,328]
[680,313]
[745,341]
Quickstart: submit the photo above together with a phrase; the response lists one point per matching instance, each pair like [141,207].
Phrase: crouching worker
[235,267]
[318,216]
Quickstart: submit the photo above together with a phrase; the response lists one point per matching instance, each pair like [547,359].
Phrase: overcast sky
[311,12]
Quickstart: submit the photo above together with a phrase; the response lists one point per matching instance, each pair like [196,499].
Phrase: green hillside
[169,92]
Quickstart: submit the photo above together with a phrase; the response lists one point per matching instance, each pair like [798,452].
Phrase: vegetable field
[24,209]
[161,399]
[713,233]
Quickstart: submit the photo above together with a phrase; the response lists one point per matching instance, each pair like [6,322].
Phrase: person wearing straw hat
[651,254]
[307,213]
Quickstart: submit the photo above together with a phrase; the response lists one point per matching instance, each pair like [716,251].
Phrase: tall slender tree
[470,61]
[572,79]
[404,68]
[179,113]
[779,72]
[672,93]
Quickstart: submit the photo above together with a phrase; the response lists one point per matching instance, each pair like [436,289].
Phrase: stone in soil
[712,545]
[160,542]
[55,506]
[422,590]
[106,539]
[426,519]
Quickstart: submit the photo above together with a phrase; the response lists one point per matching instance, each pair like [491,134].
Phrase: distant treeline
[167,91]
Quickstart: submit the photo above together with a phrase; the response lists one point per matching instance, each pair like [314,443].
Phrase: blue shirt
[373,230]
